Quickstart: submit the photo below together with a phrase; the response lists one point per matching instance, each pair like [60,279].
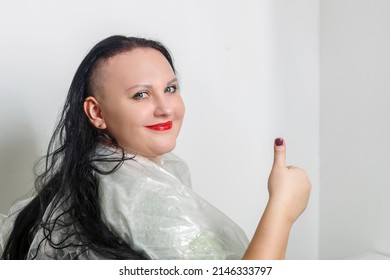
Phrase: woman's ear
[94,113]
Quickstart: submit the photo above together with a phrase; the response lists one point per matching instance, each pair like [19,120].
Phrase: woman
[112,190]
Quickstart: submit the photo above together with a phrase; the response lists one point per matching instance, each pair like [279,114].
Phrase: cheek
[123,121]
[180,108]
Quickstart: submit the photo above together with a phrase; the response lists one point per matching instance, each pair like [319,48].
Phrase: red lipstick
[161,126]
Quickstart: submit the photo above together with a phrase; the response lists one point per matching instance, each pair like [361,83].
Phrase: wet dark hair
[69,182]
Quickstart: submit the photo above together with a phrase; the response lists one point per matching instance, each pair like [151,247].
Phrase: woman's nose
[164,106]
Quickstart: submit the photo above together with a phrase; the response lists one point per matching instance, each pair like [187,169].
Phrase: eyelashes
[171,89]
[145,94]
[140,95]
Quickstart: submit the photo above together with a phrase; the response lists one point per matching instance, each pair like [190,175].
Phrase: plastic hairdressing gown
[152,207]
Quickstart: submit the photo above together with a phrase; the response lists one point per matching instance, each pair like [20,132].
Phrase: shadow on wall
[17,151]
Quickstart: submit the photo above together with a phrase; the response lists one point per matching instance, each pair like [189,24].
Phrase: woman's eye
[171,89]
[140,95]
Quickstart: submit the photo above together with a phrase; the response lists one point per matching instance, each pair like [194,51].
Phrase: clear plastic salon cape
[150,204]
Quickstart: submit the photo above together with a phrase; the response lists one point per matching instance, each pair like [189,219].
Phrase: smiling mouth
[161,126]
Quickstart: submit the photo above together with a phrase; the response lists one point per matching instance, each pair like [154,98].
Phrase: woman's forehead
[140,61]
[140,65]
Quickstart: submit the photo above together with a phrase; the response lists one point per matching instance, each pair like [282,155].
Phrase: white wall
[355,131]
[249,72]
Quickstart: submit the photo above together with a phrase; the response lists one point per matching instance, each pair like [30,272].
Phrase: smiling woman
[137,102]
[112,189]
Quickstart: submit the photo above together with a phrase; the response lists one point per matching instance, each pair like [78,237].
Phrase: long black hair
[69,182]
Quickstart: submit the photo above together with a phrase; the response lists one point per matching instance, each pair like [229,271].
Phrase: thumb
[279,152]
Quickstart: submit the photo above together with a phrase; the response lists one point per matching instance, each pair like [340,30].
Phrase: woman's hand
[288,186]
[289,190]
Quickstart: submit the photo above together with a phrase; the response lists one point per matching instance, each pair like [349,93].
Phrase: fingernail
[279,142]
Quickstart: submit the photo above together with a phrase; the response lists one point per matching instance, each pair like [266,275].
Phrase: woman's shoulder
[135,169]
[178,167]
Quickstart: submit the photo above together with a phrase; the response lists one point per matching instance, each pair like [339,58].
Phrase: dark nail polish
[279,142]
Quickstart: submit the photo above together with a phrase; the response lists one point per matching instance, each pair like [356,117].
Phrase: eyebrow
[150,86]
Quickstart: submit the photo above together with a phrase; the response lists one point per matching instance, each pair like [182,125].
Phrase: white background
[354,128]
[250,72]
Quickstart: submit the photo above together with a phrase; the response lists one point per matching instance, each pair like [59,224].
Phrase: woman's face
[137,101]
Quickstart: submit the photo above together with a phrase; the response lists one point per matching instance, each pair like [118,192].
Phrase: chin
[163,149]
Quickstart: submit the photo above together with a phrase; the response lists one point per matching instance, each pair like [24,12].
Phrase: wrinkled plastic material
[152,207]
